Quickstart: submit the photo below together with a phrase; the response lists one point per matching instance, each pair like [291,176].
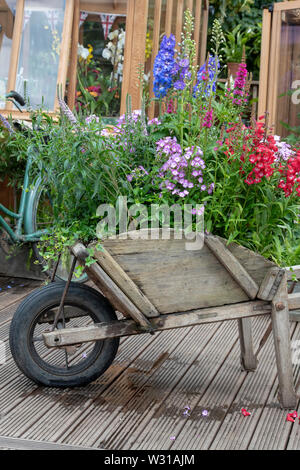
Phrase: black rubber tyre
[42,365]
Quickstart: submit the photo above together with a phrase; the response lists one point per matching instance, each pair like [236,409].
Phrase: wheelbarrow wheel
[68,366]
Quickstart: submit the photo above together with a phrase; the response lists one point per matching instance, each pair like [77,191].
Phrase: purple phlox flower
[204,413]
[129,178]
[284,150]
[91,119]
[198,212]
[211,188]
[172,438]
[179,85]
[154,122]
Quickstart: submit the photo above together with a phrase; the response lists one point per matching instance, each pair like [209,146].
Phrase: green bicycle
[34,215]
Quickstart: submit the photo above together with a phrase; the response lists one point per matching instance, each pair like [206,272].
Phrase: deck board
[139,402]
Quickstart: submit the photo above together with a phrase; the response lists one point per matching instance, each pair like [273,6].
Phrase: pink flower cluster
[208,119]
[239,96]
[183,169]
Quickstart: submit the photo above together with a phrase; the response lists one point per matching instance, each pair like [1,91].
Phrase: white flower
[83,52]
[120,69]
[106,54]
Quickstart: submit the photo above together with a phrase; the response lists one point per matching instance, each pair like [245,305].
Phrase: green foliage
[87,165]
[235,45]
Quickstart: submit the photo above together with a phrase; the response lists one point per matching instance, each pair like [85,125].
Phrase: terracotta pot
[233,68]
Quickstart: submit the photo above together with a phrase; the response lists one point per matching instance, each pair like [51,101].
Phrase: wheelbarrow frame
[269,298]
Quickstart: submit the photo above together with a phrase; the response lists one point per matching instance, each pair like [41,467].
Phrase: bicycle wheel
[39,216]
[69,366]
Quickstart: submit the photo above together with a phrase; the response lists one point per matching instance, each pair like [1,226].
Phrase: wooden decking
[139,403]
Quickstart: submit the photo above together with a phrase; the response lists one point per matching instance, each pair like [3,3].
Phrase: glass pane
[289,73]
[7,19]
[40,50]
[100,62]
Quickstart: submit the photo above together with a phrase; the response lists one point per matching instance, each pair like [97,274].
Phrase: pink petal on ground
[245,412]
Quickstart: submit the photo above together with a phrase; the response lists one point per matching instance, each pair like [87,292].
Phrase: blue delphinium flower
[207,83]
[163,70]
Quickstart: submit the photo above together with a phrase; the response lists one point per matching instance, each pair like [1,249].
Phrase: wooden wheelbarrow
[158,280]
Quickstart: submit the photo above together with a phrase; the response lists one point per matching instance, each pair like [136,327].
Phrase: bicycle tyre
[31,226]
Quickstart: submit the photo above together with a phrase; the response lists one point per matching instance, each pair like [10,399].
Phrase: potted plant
[234,49]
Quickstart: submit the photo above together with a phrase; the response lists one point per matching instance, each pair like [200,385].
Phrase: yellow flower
[90,56]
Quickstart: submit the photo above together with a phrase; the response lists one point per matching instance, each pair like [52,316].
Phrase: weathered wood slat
[248,358]
[270,284]
[175,278]
[69,336]
[281,334]
[123,281]
[294,301]
[237,271]
[110,290]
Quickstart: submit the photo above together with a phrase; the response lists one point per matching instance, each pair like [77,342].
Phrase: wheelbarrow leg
[248,358]
[281,334]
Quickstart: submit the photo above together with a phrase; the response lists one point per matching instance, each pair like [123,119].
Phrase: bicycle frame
[17,234]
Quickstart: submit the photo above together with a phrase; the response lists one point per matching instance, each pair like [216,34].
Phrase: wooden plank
[74,56]
[210,385]
[116,297]
[281,335]
[155,47]
[286,6]
[138,52]
[28,444]
[248,358]
[15,49]
[129,40]
[237,271]
[274,69]
[123,281]
[150,258]
[264,62]
[234,431]
[65,49]
[270,284]
[203,49]
[106,418]
[25,407]
[189,5]
[169,17]
[110,289]
[68,336]
[294,301]
[117,8]
[151,416]
[179,20]
[197,28]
